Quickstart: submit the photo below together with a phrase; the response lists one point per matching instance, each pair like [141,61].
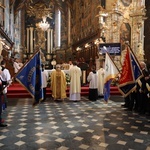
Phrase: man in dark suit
[143,90]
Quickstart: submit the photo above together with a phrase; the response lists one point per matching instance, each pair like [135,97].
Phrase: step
[18,91]
[27,95]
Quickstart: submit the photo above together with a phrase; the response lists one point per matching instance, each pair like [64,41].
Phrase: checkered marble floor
[83,125]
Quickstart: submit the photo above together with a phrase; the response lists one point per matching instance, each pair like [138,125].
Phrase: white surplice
[100,80]
[75,83]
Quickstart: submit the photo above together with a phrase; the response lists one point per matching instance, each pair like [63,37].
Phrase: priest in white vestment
[100,80]
[75,82]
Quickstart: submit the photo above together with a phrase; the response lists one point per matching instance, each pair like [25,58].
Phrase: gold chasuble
[58,84]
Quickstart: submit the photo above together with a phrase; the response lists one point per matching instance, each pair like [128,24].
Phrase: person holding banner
[44,81]
[143,90]
[5,77]
[30,76]
[130,75]
[2,84]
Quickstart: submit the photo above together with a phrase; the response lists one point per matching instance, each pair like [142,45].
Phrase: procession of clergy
[58,83]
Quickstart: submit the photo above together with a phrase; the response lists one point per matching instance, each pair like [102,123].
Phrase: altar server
[93,84]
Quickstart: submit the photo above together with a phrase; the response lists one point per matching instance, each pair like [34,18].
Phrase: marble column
[69,26]
[48,45]
[48,40]
[28,36]
[34,39]
[31,39]
[143,2]
[51,41]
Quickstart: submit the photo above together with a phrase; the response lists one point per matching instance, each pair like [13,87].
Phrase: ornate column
[48,56]
[31,39]
[1,46]
[28,36]
[69,25]
[138,15]
[48,40]
[143,19]
[34,38]
[51,40]
[57,29]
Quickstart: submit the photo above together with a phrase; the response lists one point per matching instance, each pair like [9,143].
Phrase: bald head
[143,65]
[58,67]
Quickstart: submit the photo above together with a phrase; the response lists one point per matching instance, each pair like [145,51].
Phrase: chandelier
[44,25]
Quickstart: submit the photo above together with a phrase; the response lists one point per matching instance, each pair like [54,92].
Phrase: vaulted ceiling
[61,4]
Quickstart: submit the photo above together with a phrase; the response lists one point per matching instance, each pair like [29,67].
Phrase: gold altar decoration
[44,25]
[39,9]
[121,18]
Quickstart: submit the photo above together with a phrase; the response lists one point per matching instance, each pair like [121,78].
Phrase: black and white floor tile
[83,125]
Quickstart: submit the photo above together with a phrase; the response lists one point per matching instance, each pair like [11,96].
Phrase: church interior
[72,30]
[64,31]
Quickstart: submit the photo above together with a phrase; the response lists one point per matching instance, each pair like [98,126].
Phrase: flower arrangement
[49,80]
[67,78]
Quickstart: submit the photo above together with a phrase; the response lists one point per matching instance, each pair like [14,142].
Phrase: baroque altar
[122,21]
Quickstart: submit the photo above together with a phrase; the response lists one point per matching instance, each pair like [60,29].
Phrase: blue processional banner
[30,76]
[136,67]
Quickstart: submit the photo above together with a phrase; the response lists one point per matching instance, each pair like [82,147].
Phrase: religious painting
[125,37]
[125,34]
[40,38]
[69,55]
[126,2]
[60,56]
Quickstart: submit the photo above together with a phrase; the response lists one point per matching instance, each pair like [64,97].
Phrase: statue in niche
[140,52]
[125,34]
[43,58]
[41,38]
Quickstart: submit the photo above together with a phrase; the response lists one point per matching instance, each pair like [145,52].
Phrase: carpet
[16,90]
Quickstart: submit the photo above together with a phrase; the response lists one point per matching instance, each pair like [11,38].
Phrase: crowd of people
[139,99]
[58,82]
[5,81]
